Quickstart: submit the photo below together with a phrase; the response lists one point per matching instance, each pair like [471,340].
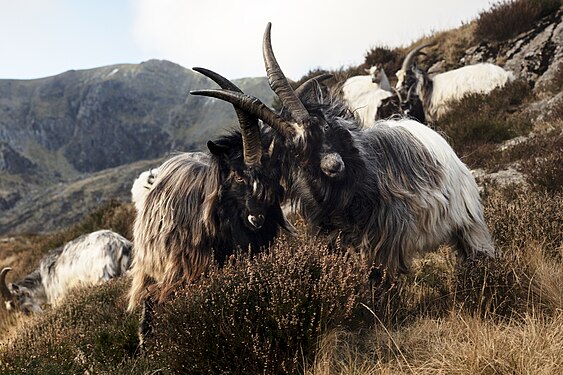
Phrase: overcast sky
[41,38]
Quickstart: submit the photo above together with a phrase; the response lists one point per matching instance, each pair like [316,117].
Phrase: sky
[41,38]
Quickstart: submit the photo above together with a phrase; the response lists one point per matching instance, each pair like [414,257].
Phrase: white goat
[88,260]
[364,94]
[439,91]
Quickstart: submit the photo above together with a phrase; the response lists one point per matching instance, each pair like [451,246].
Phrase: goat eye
[239,179]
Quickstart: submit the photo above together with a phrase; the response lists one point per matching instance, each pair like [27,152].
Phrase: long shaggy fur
[364,97]
[403,191]
[88,260]
[439,91]
[194,214]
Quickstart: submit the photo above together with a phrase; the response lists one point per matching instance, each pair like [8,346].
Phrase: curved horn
[252,106]
[398,94]
[407,62]
[4,290]
[251,142]
[306,86]
[279,84]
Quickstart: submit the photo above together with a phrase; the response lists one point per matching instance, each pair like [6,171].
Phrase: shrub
[89,332]
[261,315]
[389,58]
[511,17]
[479,119]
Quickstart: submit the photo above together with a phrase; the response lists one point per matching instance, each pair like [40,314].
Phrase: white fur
[363,97]
[141,187]
[456,204]
[453,85]
[87,260]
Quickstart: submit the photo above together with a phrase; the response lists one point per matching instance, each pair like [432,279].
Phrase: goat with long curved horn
[408,61]
[251,143]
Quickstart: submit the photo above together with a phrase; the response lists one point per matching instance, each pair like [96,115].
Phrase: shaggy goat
[438,92]
[88,260]
[390,191]
[364,94]
[202,208]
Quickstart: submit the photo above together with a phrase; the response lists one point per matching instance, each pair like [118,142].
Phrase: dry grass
[508,18]
[455,345]
[302,308]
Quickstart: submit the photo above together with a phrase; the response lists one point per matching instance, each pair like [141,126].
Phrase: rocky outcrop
[535,56]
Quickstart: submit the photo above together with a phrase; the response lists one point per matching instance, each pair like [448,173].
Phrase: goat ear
[216,149]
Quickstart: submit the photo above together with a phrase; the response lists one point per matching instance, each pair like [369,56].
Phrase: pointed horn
[279,83]
[4,290]
[252,106]
[308,84]
[251,142]
[407,62]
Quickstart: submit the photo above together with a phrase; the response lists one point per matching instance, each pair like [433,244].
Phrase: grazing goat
[202,208]
[88,260]
[437,92]
[141,187]
[390,191]
[364,94]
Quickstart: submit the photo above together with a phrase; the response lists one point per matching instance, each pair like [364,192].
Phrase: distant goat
[141,187]
[390,191]
[203,207]
[437,92]
[364,94]
[88,260]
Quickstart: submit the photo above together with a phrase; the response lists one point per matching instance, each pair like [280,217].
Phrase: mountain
[72,141]
[59,130]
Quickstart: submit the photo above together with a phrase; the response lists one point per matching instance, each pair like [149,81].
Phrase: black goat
[390,191]
[203,207]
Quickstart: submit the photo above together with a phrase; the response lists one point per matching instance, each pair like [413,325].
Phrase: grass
[304,308]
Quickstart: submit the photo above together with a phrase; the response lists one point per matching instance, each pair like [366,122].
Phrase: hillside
[58,130]
[303,307]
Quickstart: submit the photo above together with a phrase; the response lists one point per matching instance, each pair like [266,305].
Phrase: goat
[438,92]
[364,94]
[141,187]
[203,207]
[390,191]
[88,260]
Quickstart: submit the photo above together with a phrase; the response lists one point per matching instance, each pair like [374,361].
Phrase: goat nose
[332,165]
[256,220]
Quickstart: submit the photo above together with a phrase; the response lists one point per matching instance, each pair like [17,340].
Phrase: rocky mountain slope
[58,131]
[72,141]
